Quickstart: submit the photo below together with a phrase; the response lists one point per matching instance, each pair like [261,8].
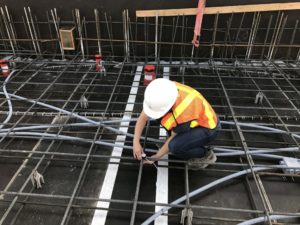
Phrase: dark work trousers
[189,143]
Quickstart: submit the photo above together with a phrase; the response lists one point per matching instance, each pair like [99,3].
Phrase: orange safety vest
[191,106]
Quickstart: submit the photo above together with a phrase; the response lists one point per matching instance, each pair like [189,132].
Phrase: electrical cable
[78,116]
[10,112]
[265,219]
[202,189]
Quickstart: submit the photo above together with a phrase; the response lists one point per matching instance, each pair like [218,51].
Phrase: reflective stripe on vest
[190,106]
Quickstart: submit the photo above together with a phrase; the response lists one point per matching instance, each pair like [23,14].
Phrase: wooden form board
[220,9]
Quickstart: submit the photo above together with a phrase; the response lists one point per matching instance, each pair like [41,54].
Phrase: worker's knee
[174,147]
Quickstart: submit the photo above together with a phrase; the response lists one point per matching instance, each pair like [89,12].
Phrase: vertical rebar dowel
[50,30]
[85,36]
[237,34]
[266,37]
[109,35]
[25,28]
[111,31]
[30,31]
[182,35]
[131,35]
[55,13]
[37,28]
[2,34]
[255,17]
[280,35]
[254,34]
[214,35]
[124,34]
[275,37]
[192,53]
[160,35]
[14,30]
[13,34]
[97,29]
[56,25]
[288,54]
[156,35]
[227,35]
[145,36]
[173,27]
[135,38]
[8,31]
[34,31]
[298,56]
[128,36]
[78,22]
[185,33]
[275,33]
[38,35]
[173,37]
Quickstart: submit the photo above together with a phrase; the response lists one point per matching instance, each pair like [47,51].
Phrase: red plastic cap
[149,68]
[3,61]
[98,56]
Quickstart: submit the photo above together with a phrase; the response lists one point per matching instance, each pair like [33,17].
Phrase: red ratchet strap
[198,23]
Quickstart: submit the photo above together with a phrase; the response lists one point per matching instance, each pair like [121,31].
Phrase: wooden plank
[220,10]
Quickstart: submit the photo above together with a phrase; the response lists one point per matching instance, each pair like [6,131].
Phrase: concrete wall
[114,7]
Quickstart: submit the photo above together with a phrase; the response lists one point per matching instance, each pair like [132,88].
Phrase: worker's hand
[150,160]
[147,161]
[137,151]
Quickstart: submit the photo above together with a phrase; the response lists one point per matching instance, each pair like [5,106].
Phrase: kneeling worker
[189,119]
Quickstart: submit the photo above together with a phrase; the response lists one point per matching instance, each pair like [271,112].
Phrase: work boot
[201,163]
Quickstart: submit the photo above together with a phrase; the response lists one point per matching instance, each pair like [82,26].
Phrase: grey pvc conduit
[36,127]
[77,116]
[131,135]
[258,153]
[261,127]
[230,152]
[265,219]
[69,138]
[202,189]
[127,134]
[7,99]
[120,132]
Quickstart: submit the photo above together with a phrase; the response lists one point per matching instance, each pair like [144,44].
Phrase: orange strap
[198,23]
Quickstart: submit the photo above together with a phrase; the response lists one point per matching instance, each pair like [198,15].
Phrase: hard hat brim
[158,114]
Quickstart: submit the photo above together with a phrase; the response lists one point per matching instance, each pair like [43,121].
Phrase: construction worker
[186,115]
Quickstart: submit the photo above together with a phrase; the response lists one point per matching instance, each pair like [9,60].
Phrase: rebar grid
[240,55]
[83,80]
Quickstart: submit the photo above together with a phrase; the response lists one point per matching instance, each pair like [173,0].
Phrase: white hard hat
[160,96]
